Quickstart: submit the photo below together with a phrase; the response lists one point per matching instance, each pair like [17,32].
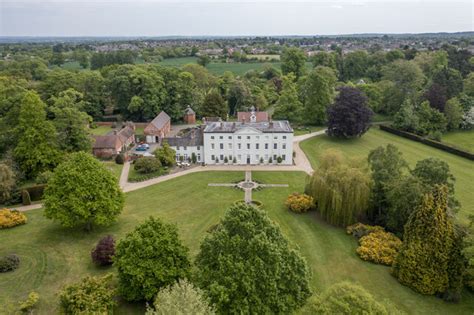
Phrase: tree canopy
[246,265]
[349,116]
[82,192]
[150,258]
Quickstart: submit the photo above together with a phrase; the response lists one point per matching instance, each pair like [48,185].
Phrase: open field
[461,139]
[463,169]
[52,257]
[216,68]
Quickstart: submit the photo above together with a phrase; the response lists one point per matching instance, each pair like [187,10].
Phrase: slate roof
[159,121]
[191,139]
[265,127]
[189,111]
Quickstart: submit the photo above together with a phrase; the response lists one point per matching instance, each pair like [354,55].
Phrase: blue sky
[198,17]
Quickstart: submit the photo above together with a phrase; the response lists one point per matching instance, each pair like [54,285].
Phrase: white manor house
[253,139]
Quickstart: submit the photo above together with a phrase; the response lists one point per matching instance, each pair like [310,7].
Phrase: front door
[248,159]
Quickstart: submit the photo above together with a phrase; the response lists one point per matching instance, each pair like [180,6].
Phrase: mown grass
[101,130]
[463,139]
[462,169]
[114,168]
[52,256]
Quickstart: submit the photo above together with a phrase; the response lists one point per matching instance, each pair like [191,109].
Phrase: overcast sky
[225,17]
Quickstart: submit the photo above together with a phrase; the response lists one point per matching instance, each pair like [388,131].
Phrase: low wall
[431,143]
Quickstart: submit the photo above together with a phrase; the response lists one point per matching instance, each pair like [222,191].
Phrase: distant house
[112,144]
[158,128]
[189,116]
[252,116]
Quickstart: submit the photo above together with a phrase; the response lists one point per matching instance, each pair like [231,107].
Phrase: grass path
[52,257]
[463,169]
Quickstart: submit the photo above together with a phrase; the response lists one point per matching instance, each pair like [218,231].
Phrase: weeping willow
[341,190]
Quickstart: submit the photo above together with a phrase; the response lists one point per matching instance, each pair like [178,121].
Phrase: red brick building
[158,128]
[112,144]
[252,116]
[189,116]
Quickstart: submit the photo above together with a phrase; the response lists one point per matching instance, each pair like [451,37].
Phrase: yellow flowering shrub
[299,203]
[379,247]
[10,218]
[359,229]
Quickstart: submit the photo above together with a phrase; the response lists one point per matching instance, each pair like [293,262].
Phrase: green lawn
[101,130]
[463,169]
[461,139]
[114,168]
[52,257]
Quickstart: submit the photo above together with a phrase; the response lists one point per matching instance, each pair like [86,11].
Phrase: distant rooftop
[264,126]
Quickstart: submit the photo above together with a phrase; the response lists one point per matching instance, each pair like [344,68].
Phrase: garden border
[429,142]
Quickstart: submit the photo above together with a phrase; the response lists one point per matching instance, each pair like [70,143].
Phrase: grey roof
[264,126]
[189,111]
[160,120]
[191,139]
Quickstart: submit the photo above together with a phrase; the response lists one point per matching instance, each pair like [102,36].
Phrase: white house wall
[252,145]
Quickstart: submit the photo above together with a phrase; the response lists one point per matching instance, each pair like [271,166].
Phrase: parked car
[141,148]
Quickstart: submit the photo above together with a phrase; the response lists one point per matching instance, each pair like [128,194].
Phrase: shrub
[359,229]
[226,160]
[9,263]
[379,247]
[147,165]
[193,158]
[120,158]
[10,218]
[346,299]
[261,160]
[28,305]
[93,295]
[44,177]
[149,258]
[234,160]
[166,155]
[299,203]
[25,197]
[181,298]
[7,182]
[279,160]
[104,251]
[270,160]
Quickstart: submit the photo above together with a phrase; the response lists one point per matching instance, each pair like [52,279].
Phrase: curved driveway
[301,164]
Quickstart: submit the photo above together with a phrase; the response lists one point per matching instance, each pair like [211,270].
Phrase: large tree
[387,166]
[7,182]
[150,258]
[288,105]
[247,266]
[422,262]
[36,149]
[71,123]
[317,94]
[214,105]
[293,60]
[340,189]
[82,192]
[349,116]
[408,80]
[355,65]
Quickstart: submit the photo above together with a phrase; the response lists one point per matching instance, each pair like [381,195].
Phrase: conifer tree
[422,262]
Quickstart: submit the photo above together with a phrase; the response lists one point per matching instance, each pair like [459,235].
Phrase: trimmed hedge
[10,218]
[431,143]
